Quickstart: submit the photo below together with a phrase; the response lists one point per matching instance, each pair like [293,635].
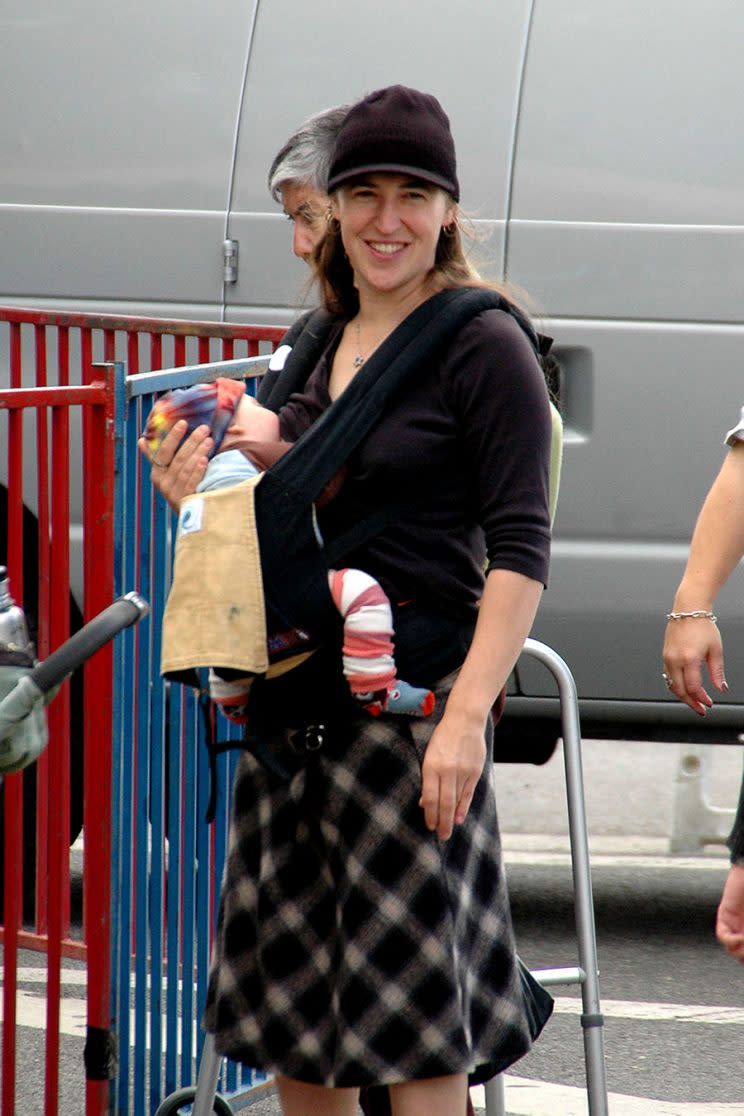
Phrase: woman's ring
[667,679]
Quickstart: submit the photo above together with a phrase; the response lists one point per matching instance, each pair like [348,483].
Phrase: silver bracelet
[698,614]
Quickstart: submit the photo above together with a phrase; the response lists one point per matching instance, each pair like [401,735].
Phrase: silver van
[601,155]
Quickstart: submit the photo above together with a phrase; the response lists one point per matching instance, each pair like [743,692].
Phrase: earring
[450,230]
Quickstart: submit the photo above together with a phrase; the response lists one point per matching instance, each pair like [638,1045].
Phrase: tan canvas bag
[215,614]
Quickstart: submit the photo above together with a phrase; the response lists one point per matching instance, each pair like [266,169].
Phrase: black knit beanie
[400,130]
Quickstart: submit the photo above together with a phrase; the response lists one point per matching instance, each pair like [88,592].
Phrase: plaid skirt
[353,947]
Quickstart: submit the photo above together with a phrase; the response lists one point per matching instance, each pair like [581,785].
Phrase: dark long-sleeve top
[464,452]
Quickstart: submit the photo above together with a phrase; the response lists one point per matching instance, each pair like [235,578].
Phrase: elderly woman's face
[390,226]
[306,208]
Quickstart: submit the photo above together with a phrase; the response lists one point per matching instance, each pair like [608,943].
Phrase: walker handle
[124,612]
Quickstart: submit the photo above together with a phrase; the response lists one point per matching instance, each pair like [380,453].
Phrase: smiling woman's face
[390,227]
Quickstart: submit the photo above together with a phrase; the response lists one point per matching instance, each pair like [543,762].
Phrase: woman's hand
[453,764]
[179,464]
[454,758]
[730,918]
[689,643]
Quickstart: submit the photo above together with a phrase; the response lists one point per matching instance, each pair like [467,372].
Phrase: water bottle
[23,730]
[15,646]
[26,687]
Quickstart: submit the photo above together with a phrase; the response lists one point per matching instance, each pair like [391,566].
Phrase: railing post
[98,526]
[13,784]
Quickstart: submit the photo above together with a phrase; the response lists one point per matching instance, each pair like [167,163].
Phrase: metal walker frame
[586,974]
[204,1096]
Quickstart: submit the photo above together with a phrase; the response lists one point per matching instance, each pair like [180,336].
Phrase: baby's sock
[368,662]
[230,695]
[413,701]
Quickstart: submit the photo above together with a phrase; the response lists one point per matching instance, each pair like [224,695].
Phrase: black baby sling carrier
[293,565]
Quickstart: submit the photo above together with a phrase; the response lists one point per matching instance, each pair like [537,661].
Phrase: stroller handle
[124,612]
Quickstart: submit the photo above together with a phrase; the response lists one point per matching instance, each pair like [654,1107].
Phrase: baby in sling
[246,440]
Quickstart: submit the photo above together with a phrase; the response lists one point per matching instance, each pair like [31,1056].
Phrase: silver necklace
[358,360]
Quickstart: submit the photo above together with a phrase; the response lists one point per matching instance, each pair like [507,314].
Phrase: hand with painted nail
[688,644]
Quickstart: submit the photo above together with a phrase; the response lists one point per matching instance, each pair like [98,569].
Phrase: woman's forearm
[718,539]
[507,612]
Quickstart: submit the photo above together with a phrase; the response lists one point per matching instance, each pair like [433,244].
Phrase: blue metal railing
[167,862]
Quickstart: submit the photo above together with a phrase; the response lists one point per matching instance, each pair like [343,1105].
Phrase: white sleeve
[737,433]
[278,358]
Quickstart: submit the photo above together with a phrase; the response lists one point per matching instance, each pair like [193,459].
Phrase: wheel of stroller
[173,1104]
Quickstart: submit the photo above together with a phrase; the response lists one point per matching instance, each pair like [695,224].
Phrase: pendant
[358,361]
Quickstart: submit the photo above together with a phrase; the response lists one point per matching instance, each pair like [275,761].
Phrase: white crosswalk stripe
[31,1006]
[525,1097]
[560,859]
[31,1011]
[657,1013]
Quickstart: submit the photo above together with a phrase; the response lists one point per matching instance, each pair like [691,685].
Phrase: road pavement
[673,1001]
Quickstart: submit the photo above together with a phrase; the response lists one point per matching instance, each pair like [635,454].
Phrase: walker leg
[592,1021]
[209,1073]
[596,1077]
[495,1096]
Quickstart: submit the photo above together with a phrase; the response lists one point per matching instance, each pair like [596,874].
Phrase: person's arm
[730,916]
[456,752]
[179,465]
[716,548]
[498,393]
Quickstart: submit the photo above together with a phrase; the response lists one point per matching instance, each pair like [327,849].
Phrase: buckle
[310,739]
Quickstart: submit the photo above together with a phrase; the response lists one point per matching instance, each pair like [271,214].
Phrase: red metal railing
[52,406]
[144,343]
[69,461]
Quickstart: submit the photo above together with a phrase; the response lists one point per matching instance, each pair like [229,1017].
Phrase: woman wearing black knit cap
[364,935]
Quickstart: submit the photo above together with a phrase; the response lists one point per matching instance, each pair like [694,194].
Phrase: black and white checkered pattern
[353,947]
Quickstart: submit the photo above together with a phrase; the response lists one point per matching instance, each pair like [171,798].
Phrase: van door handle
[230,261]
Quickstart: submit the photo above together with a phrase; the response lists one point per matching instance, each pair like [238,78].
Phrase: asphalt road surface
[673,1002]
